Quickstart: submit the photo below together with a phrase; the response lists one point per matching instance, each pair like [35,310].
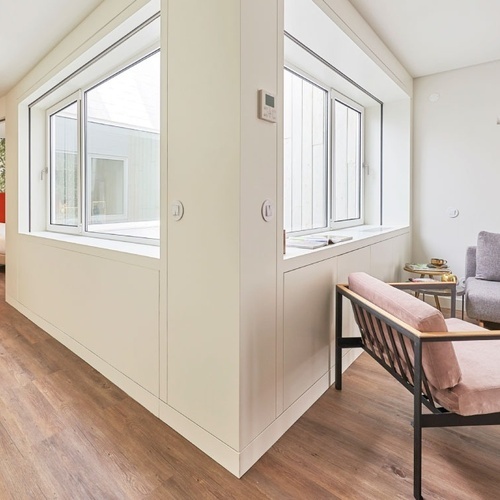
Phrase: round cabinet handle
[267,210]
[177,210]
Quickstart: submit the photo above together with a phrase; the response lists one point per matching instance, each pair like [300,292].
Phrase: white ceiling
[427,36]
[29,29]
[431,36]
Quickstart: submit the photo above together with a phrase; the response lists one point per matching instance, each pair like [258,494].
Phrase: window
[100,132]
[64,169]
[106,180]
[306,147]
[323,151]
[346,152]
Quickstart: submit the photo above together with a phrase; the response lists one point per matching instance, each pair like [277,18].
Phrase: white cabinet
[308,321]
[388,258]
[360,260]
[308,311]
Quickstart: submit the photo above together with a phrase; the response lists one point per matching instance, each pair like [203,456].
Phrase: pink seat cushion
[438,358]
[479,389]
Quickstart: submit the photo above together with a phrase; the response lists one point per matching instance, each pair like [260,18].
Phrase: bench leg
[417,461]
[417,423]
[338,368]
[338,335]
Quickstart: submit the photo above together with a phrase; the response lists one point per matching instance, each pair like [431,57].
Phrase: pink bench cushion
[479,390]
[438,358]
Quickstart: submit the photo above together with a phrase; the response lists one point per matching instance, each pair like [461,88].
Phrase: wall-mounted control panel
[267,106]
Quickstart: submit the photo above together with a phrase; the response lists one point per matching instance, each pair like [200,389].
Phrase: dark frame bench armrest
[473,335]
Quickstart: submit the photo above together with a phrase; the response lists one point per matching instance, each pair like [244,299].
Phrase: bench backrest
[439,361]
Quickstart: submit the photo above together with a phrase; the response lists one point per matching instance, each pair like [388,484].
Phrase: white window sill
[361,236]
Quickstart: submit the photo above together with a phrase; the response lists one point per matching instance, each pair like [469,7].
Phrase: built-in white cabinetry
[389,257]
[359,260]
[309,300]
[308,319]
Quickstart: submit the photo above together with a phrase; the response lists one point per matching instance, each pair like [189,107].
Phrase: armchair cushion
[438,358]
[478,391]
[488,256]
[482,299]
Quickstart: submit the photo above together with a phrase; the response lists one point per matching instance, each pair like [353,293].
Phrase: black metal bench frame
[372,319]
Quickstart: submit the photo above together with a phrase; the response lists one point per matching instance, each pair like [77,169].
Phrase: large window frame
[51,161]
[114,98]
[331,218]
[336,220]
[294,187]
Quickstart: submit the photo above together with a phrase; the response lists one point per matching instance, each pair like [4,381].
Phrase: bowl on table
[438,262]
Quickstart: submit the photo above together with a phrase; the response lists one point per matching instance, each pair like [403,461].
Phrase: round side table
[460,292]
[432,273]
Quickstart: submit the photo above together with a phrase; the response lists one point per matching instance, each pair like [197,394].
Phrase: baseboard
[216,449]
[134,390]
[266,439]
[237,463]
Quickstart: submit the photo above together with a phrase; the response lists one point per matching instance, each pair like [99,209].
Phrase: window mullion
[331,166]
[81,163]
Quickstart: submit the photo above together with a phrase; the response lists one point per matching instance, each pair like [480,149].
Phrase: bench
[450,366]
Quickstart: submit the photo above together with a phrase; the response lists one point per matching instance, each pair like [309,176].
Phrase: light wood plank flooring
[68,433]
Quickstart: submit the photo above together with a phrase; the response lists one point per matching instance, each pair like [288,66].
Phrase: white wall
[396,182]
[456,161]
[203,248]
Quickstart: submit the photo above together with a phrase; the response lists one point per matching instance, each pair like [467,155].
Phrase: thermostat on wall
[267,106]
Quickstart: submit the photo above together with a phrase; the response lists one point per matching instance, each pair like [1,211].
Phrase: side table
[459,292]
[453,290]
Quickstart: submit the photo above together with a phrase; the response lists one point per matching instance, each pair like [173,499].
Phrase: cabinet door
[308,320]
[359,260]
[389,257]
[384,265]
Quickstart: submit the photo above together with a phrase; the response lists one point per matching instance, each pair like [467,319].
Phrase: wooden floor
[68,433]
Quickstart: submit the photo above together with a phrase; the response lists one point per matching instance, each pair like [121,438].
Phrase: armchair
[482,279]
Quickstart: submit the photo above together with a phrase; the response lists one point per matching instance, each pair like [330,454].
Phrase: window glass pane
[108,190]
[305,154]
[122,127]
[64,167]
[347,161]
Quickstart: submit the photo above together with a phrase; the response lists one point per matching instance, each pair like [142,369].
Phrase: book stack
[312,241]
